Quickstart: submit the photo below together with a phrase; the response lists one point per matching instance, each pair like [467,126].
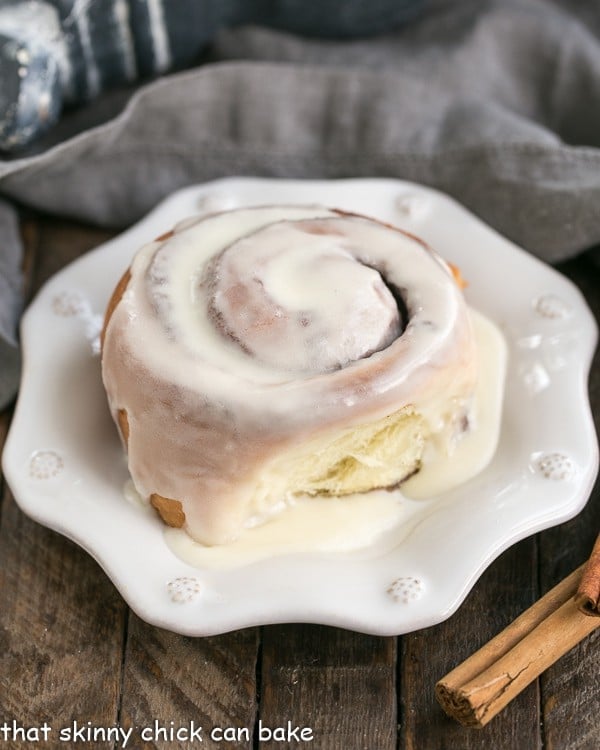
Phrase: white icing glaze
[267,294]
[319,525]
[205,417]
[448,466]
[375,521]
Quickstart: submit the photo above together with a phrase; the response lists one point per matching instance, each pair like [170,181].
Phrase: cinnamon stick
[476,690]
[588,592]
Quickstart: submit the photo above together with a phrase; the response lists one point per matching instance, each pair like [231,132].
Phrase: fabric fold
[11,285]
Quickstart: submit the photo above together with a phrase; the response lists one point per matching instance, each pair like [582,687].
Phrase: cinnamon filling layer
[296,296]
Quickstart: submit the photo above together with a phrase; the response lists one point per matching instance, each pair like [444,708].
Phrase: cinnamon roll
[260,354]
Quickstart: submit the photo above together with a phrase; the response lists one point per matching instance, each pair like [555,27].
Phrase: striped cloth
[61,52]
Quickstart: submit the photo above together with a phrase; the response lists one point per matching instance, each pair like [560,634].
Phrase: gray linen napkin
[496,103]
[10,301]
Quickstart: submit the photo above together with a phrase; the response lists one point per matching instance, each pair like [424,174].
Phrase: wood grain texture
[59,243]
[341,684]
[4,423]
[506,589]
[61,629]
[175,680]
[570,688]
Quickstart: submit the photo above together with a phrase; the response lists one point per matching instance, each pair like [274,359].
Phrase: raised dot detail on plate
[556,466]
[69,304]
[185,589]
[406,589]
[93,330]
[551,306]
[410,205]
[45,465]
[536,378]
[73,304]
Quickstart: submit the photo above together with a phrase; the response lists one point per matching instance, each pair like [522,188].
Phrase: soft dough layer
[267,352]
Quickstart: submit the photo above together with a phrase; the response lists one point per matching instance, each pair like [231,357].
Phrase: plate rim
[163,614]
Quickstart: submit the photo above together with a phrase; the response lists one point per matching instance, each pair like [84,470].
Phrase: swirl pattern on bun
[260,354]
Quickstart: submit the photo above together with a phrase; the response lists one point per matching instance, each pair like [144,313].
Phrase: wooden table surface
[72,651]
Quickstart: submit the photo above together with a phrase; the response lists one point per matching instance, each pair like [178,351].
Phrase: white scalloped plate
[65,466]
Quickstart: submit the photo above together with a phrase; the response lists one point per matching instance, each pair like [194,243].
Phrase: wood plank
[61,242]
[175,680]
[61,626]
[570,688]
[506,589]
[338,683]
[5,417]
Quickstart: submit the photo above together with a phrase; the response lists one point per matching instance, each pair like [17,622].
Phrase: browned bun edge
[123,421]
[113,302]
[171,511]
[120,290]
